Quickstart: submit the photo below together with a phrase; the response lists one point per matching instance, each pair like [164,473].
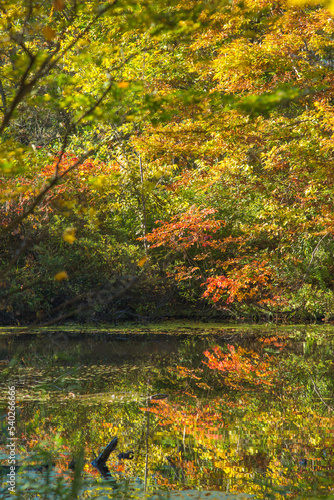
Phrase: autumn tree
[119,114]
[73,85]
[256,148]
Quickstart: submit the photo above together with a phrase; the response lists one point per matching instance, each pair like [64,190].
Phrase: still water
[246,411]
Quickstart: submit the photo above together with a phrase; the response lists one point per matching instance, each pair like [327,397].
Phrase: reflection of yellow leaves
[203,385]
[182,371]
[142,262]
[69,235]
[61,276]
[49,33]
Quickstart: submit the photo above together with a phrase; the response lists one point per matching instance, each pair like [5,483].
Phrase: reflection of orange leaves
[62,468]
[274,341]
[280,344]
[204,421]
[161,481]
[268,340]
[183,372]
[119,467]
[239,365]
[94,472]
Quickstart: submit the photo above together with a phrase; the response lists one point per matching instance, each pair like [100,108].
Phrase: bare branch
[313,254]
[3,97]
[21,289]
[316,388]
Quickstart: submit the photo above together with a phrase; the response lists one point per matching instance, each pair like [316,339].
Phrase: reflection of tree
[218,430]
[243,442]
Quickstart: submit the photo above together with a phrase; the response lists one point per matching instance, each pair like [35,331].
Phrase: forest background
[166,159]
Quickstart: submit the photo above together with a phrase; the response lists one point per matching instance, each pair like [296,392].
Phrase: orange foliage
[244,283]
[240,366]
[192,228]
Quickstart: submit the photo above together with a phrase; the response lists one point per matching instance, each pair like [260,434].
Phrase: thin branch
[69,302]
[29,13]
[24,89]
[45,68]
[143,203]
[318,393]
[53,182]
[21,289]
[58,177]
[26,242]
[15,257]
[3,97]
[313,254]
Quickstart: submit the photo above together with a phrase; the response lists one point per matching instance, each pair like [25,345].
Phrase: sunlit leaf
[62,275]
[69,235]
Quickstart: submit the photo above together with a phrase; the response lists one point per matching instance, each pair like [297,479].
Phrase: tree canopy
[164,158]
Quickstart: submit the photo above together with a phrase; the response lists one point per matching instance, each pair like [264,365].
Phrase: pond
[247,411]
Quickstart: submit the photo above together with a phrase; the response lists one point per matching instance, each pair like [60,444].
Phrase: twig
[318,393]
[53,182]
[25,87]
[313,254]
[3,97]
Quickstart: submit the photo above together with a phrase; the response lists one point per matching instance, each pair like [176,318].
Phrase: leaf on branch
[61,276]
[49,33]
[69,235]
[123,85]
[142,261]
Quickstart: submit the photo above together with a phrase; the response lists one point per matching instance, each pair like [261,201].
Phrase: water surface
[236,409]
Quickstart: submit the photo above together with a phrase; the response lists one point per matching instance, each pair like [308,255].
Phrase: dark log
[126,456]
[103,457]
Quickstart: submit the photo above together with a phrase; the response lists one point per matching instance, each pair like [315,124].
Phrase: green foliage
[310,300]
[118,115]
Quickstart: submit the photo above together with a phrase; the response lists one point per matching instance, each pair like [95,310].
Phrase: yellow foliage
[329,5]
[69,235]
[62,275]
[142,261]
